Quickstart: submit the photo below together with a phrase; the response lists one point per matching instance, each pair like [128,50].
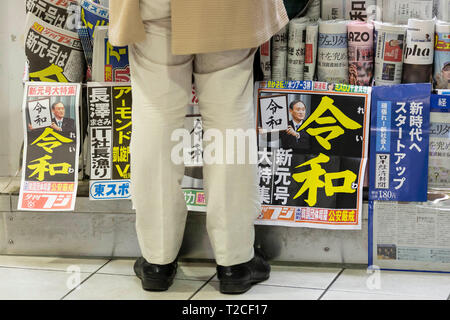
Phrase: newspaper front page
[53,54]
[51,146]
[411,236]
[312,173]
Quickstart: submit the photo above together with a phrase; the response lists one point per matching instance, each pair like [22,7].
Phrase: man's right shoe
[239,278]
[155,277]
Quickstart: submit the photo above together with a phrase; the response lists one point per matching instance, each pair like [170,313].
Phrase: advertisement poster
[110,132]
[399,142]
[439,152]
[312,174]
[51,148]
[410,236]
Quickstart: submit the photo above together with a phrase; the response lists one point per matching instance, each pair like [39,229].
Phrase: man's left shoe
[155,277]
[240,278]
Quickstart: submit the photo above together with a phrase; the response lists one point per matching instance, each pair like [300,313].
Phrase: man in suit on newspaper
[292,138]
[59,122]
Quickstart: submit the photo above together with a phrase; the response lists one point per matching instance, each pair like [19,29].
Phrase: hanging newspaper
[93,15]
[442,56]
[53,54]
[360,53]
[361,10]
[311,175]
[110,131]
[389,43]
[110,64]
[51,148]
[399,11]
[54,12]
[410,236]
[400,139]
[439,152]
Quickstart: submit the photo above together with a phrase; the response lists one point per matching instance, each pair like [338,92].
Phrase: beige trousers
[161,85]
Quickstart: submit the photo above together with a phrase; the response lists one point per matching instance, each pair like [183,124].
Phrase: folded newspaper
[93,15]
[53,54]
[54,12]
[110,64]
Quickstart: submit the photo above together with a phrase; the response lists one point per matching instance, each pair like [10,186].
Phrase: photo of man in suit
[292,138]
[59,122]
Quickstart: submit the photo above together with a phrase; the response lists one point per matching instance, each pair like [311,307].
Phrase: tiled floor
[92,279]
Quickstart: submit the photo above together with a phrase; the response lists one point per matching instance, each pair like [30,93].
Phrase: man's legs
[225,90]
[161,88]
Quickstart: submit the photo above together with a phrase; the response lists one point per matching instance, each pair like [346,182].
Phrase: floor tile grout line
[382,293]
[39,269]
[332,282]
[201,287]
[87,278]
[133,275]
[281,286]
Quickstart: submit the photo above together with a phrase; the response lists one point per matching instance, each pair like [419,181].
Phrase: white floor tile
[120,287]
[51,263]
[186,270]
[258,292]
[25,284]
[417,284]
[306,277]
[346,295]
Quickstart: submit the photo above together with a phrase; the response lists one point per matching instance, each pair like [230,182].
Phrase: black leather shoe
[239,278]
[155,277]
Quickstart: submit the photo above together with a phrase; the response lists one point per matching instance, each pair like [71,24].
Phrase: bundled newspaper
[279,54]
[332,60]
[296,48]
[360,53]
[390,41]
[442,56]
[362,10]
[53,54]
[399,11]
[312,34]
[110,64]
[54,12]
[419,51]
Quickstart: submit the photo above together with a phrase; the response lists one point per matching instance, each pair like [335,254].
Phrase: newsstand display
[351,105]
